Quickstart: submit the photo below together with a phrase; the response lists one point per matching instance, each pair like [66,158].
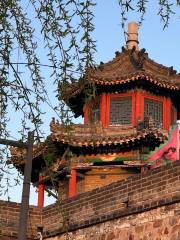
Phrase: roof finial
[132,41]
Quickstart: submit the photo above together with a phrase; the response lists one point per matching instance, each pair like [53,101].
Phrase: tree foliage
[165,9]
[49,34]
[36,35]
[64,29]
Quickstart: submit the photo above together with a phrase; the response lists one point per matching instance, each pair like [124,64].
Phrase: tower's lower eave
[86,140]
[94,136]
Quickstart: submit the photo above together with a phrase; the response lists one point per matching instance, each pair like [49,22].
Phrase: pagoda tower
[130,107]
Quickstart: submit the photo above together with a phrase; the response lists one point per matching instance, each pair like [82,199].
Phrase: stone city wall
[9,220]
[127,198]
[161,223]
[144,206]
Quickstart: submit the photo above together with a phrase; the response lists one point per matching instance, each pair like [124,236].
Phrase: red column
[40,193]
[103,100]
[139,113]
[86,114]
[142,169]
[166,113]
[108,102]
[72,183]
[133,120]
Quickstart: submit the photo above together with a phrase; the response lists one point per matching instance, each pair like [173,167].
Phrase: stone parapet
[9,220]
[137,194]
[146,194]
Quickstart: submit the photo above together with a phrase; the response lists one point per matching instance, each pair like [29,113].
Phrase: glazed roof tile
[18,155]
[127,66]
[132,65]
[80,135]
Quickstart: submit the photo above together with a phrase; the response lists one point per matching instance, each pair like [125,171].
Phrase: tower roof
[131,65]
[129,69]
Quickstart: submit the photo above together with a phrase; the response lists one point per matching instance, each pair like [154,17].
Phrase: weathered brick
[126,198]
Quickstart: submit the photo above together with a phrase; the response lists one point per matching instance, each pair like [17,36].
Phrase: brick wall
[9,220]
[139,193]
[153,197]
[162,223]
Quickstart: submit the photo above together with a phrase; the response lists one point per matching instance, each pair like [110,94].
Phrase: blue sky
[163,46]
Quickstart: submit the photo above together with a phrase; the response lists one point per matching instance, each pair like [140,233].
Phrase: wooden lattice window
[154,109]
[121,111]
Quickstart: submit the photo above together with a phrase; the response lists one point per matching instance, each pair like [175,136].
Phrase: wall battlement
[155,193]
[9,220]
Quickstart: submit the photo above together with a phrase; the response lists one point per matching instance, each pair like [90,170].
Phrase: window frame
[155,99]
[120,95]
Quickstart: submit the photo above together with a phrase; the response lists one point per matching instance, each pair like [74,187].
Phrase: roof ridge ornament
[138,58]
[132,41]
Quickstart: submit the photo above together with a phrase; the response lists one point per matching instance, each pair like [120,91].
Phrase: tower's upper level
[129,105]
[130,74]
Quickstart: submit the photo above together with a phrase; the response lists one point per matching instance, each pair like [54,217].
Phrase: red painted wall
[138,97]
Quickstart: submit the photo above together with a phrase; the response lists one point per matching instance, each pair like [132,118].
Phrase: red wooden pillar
[108,102]
[133,109]
[40,193]
[86,114]
[72,183]
[142,169]
[103,109]
[166,113]
[139,105]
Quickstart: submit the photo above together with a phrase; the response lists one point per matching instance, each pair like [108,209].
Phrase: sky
[163,46]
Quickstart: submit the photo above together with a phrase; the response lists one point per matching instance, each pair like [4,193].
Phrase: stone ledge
[117,214]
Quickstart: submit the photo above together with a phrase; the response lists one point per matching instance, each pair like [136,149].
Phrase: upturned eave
[128,69]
